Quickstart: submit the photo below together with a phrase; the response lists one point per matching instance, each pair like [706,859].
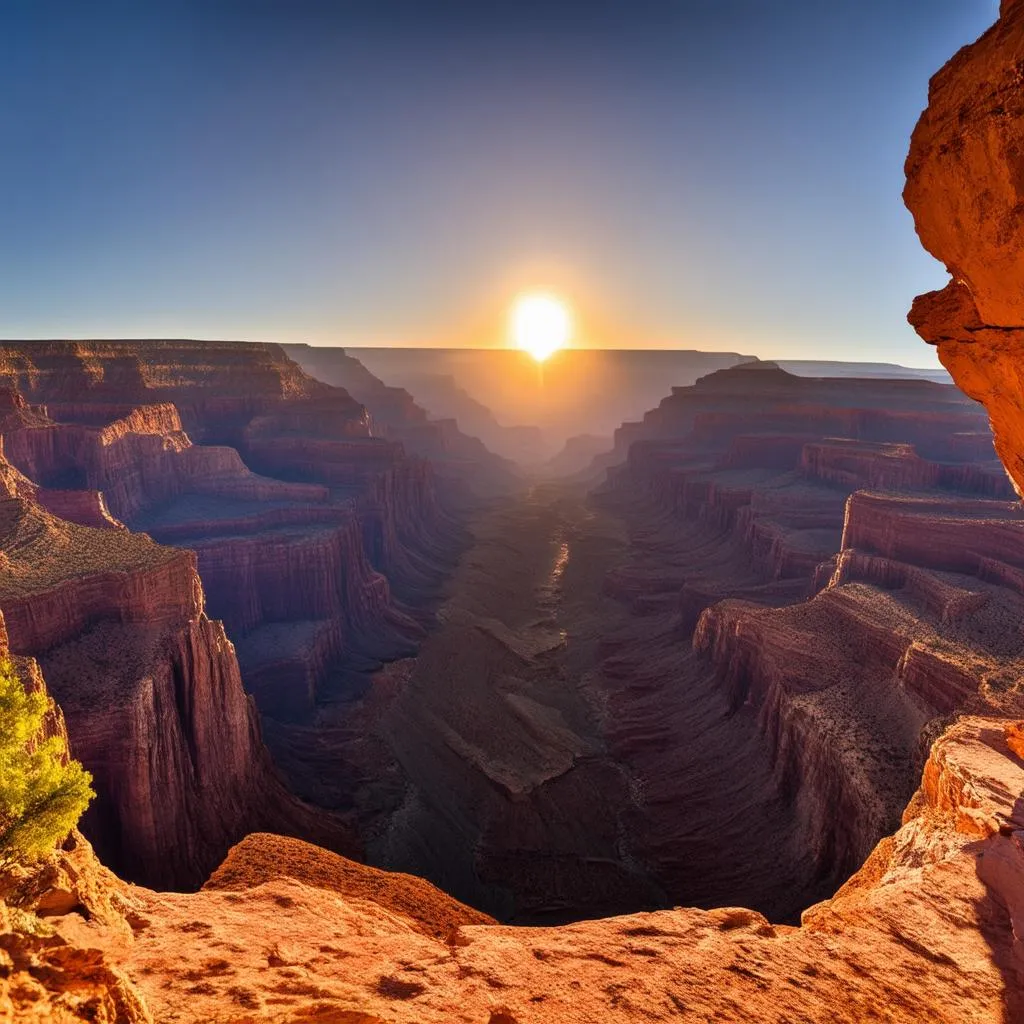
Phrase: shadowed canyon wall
[298,563]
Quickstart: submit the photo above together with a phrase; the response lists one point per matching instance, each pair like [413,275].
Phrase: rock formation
[294,564]
[964,188]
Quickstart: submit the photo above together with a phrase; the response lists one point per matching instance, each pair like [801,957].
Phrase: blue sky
[698,173]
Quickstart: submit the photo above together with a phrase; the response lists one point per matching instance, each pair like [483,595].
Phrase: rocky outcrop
[964,189]
[261,858]
[47,977]
[60,579]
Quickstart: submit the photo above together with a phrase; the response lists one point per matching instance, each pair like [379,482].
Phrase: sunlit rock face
[965,188]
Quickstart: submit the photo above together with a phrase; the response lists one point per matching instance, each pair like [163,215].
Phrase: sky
[710,174]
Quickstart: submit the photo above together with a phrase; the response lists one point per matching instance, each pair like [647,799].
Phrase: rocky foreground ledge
[930,929]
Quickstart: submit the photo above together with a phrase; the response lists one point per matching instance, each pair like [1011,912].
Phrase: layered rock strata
[297,565]
[151,692]
[837,697]
[321,467]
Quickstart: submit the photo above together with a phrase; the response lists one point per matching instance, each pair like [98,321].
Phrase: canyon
[289,561]
[556,769]
[296,627]
[506,723]
[732,718]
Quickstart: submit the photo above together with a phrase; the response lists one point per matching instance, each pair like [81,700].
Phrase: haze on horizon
[710,174]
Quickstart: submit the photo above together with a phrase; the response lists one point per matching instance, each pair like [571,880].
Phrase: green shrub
[42,792]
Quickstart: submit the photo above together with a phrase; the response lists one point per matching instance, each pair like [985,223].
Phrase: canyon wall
[298,557]
[864,586]
[151,693]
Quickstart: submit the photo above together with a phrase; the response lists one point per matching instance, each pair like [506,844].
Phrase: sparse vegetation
[42,791]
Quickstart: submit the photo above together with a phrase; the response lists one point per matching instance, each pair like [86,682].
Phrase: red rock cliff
[965,188]
[151,692]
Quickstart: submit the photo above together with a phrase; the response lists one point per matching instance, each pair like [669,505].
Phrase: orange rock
[262,858]
[964,188]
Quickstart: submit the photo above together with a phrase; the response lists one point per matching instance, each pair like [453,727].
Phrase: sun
[540,325]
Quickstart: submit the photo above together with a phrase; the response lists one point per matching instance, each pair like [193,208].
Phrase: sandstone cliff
[151,693]
[964,189]
[320,544]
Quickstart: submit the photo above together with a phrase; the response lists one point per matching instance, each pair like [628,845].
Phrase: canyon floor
[555,751]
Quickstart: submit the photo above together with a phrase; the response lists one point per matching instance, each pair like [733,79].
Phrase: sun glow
[540,325]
